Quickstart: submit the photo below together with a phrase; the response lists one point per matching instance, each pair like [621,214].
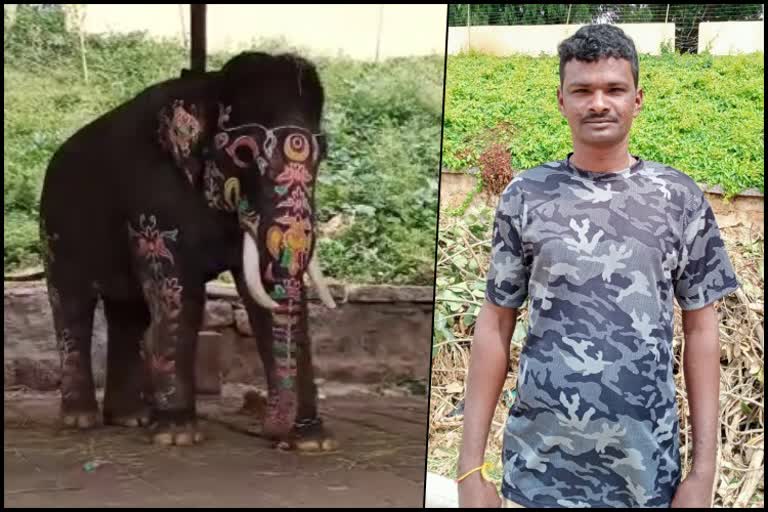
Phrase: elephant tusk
[252,271]
[316,275]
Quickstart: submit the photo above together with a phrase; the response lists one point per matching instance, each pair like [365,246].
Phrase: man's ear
[181,132]
[560,105]
[639,97]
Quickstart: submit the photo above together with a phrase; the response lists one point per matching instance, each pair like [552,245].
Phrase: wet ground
[379,462]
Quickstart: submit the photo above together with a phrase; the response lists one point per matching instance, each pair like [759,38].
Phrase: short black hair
[594,42]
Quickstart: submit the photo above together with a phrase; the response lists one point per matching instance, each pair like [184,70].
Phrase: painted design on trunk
[289,242]
[290,247]
[294,174]
[297,202]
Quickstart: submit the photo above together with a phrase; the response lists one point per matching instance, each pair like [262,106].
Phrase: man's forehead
[608,69]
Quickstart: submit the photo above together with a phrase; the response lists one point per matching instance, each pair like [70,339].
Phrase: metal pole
[568,19]
[197,26]
[666,17]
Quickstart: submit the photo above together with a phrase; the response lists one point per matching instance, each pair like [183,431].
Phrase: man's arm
[701,369]
[488,365]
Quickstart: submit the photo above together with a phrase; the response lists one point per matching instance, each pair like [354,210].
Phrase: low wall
[543,39]
[731,37]
[376,334]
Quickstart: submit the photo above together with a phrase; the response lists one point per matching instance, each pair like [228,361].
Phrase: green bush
[383,124]
[702,114]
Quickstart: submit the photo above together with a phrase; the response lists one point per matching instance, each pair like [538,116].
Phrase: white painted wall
[355,31]
[543,39]
[731,37]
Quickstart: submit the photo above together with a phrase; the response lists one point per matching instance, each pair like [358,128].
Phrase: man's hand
[485,380]
[694,492]
[477,492]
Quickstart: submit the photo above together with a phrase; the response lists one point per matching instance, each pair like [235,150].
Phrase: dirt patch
[380,461]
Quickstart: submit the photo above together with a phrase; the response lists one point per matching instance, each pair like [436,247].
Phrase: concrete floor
[380,461]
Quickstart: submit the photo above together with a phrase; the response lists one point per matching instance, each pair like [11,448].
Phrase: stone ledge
[223,291]
[344,293]
[715,189]
[380,334]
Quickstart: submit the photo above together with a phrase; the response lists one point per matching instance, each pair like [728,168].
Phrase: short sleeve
[704,273]
[508,273]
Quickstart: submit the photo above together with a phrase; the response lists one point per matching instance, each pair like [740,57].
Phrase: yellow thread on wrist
[483,471]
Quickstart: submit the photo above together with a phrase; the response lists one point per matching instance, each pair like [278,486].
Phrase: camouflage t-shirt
[600,256]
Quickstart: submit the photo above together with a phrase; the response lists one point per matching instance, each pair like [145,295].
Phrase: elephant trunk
[287,242]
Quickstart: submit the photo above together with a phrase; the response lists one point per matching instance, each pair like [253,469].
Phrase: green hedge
[383,122]
[702,114]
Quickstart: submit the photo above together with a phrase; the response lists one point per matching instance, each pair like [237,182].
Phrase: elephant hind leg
[73,309]
[126,399]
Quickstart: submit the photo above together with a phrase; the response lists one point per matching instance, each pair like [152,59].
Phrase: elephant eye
[243,151]
[244,154]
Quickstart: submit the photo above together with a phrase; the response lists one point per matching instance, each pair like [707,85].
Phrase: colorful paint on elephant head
[270,170]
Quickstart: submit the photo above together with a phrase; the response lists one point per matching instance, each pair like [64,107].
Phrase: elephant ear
[181,131]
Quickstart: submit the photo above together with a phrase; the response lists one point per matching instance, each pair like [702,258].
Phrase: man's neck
[612,159]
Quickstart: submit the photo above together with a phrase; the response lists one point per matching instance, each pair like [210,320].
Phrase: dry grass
[740,480]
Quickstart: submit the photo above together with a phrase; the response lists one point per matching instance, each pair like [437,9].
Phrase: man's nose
[598,103]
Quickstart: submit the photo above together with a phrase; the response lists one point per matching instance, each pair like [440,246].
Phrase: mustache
[599,118]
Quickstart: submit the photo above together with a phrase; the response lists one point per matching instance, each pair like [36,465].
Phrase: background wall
[365,32]
[730,37]
[543,39]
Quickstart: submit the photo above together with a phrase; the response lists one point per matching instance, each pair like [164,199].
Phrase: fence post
[666,17]
[568,18]
[469,24]
[378,35]
[183,27]
[75,14]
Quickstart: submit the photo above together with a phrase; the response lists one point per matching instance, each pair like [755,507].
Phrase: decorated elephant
[202,174]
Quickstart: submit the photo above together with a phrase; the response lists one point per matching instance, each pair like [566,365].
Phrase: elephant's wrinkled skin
[194,176]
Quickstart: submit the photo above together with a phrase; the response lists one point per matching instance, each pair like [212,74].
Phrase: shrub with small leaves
[495,168]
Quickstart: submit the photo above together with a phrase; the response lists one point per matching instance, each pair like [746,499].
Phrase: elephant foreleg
[175,296]
[310,433]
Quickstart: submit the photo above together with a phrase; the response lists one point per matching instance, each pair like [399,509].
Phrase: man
[602,243]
